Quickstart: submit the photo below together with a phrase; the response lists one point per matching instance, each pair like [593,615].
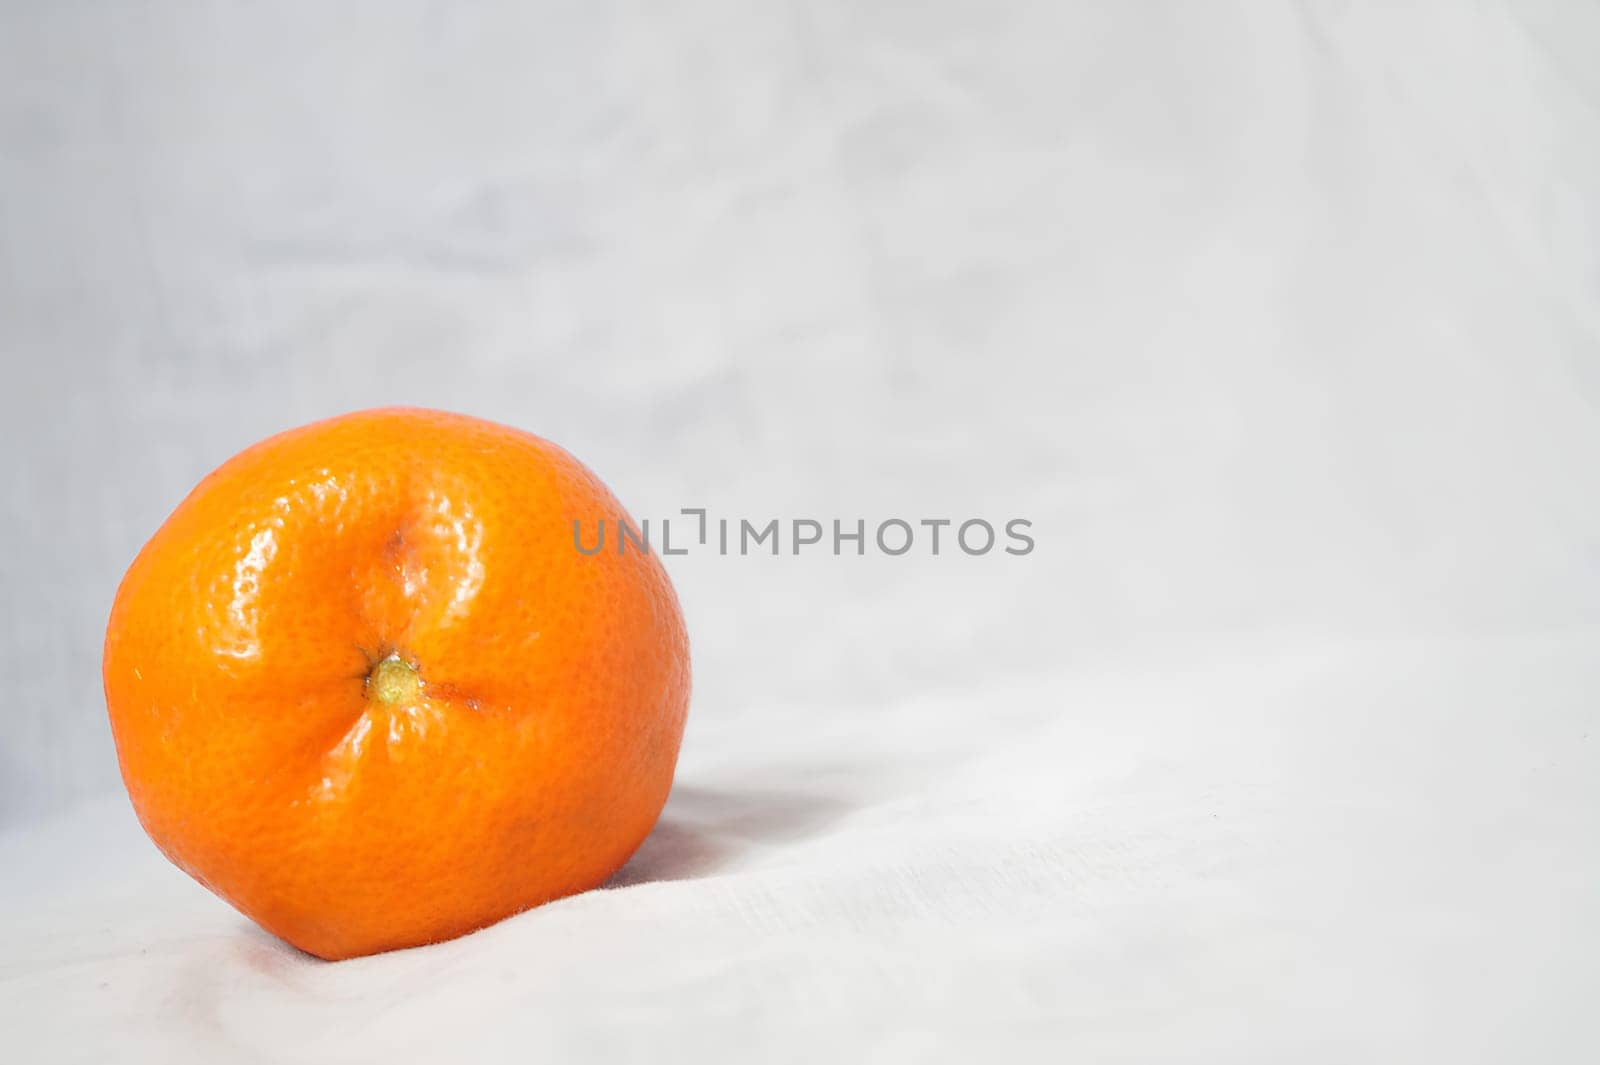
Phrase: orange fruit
[364,687]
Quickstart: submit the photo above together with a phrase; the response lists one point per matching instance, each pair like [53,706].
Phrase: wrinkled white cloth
[1362,851]
[1280,323]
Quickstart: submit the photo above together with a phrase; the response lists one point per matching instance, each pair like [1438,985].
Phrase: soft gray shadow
[704,829]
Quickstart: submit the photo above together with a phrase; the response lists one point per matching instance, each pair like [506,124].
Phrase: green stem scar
[393,681]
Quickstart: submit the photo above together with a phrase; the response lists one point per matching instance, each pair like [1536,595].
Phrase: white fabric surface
[1280,322]
[1380,851]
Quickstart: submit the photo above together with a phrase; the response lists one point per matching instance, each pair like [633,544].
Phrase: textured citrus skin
[528,759]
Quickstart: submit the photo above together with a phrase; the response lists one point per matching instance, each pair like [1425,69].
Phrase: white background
[1280,322]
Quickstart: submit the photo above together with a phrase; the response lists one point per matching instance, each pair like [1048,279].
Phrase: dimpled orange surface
[364,687]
